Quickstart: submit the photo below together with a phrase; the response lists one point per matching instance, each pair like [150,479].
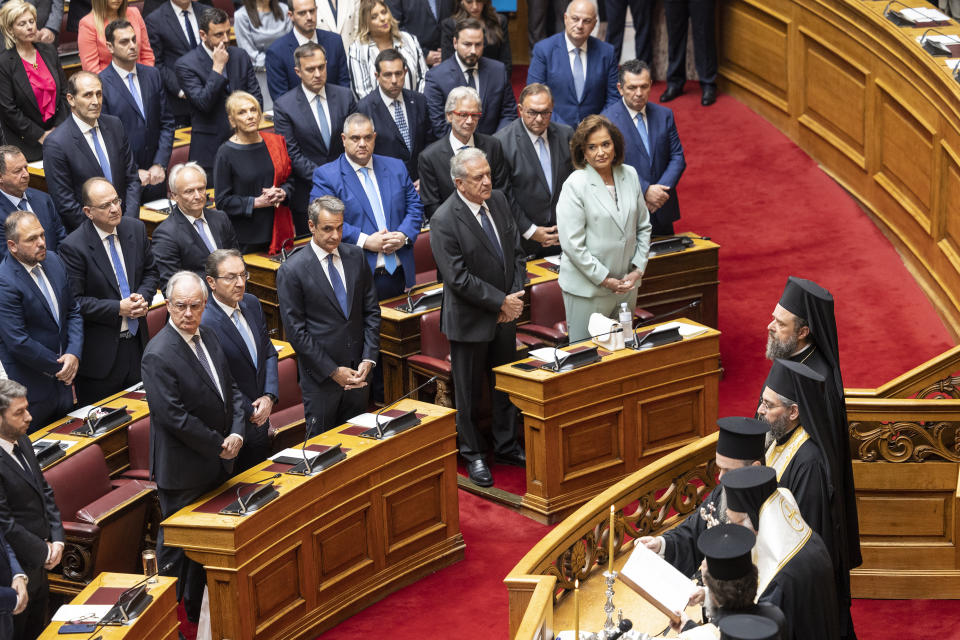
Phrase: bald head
[579,20]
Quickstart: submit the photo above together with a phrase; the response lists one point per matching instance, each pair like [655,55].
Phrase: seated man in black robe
[740,443]
[794,571]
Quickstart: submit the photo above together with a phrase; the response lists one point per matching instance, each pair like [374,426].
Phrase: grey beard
[777,349]
[710,608]
[722,508]
[780,427]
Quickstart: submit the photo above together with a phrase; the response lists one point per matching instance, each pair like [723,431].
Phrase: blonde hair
[9,14]
[363,24]
[238,97]
[99,9]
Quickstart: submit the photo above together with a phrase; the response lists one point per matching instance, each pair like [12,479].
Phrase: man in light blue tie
[113,276]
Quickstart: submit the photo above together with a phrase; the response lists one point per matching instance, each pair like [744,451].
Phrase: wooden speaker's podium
[587,428]
[157,622]
[331,544]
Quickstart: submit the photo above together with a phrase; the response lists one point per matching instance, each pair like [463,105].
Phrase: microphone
[240,503]
[667,314]
[322,461]
[934,47]
[283,249]
[410,291]
[303,450]
[126,598]
[396,428]
[896,17]
[590,357]
[625,625]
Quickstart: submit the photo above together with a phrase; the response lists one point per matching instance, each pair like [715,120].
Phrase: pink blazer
[94,55]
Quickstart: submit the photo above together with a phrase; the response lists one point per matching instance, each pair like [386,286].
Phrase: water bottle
[626,321]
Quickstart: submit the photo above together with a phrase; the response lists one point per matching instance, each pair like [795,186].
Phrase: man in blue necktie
[331,316]
[114,277]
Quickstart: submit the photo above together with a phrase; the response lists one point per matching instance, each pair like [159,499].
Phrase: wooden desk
[332,544]
[114,442]
[151,218]
[586,429]
[157,622]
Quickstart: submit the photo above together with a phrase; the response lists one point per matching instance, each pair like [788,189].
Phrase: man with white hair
[197,418]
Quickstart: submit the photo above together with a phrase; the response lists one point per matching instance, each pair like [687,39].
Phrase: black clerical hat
[742,438]
[783,376]
[747,488]
[748,627]
[799,294]
[727,550]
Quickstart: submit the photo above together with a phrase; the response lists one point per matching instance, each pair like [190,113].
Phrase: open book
[657,581]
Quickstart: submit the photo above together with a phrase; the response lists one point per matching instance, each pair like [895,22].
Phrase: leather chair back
[138,448]
[79,480]
[423,259]
[546,304]
[432,342]
[289,390]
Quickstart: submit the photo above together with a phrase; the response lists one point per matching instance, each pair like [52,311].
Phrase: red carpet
[774,213]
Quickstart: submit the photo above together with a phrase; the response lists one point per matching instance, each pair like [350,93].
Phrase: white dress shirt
[571,49]
[475,210]
[476,72]
[376,187]
[301,40]
[546,145]
[177,11]
[206,226]
[85,131]
[642,114]
[337,262]
[123,73]
[124,325]
[188,338]
[312,101]
[245,326]
[455,143]
[46,281]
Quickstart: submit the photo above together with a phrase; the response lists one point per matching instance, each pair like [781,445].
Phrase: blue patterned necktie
[579,78]
[192,39]
[24,204]
[389,259]
[101,156]
[136,95]
[337,283]
[132,324]
[45,290]
[489,230]
[642,130]
[401,121]
[198,223]
[247,338]
[324,125]
[545,163]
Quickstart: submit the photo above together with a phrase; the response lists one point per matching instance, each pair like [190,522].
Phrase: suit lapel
[228,328]
[319,278]
[189,356]
[128,243]
[28,476]
[411,105]
[83,148]
[384,186]
[532,156]
[218,363]
[30,285]
[191,232]
[174,25]
[250,315]
[653,130]
[22,84]
[555,154]
[602,195]
[469,221]
[352,182]
[120,87]
[306,111]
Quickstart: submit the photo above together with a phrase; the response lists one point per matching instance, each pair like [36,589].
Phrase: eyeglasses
[106,205]
[538,114]
[463,115]
[231,278]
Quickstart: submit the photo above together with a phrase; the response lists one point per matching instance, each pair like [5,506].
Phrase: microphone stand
[322,461]
[377,432]
[933,47]
[240,503]
[589,356]
[635,345]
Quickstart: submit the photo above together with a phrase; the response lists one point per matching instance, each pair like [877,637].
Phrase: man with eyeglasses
[237,319]
[537,152]
[197,419]
[580,69]
[113,276]
[463,112]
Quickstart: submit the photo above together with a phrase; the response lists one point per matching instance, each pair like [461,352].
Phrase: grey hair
[330,204]
[10,390]
[460,93]
[358,118]
[215,259]
[179,276]
[177,169]
[786,402]
[457,162]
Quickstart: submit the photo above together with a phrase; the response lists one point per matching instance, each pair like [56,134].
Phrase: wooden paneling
[670,421]
[753,50]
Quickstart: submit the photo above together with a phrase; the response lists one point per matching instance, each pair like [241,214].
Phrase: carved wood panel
[668,420]
[753,51]
[591,441]
[414,512]
[275,586]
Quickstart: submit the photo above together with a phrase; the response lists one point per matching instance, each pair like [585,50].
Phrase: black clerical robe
[804,591]
[681,542]
[763,609]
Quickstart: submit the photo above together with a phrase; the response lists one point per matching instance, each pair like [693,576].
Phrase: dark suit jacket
[665,162]
[30,339]
[323,337]
[293,119]
[152,139]
[550,65]
[169,44]
[177,246]
[436,185]
[500,51]
[94,285]
[389,141]
[401,204]
[496,94]
[29,517]
[42,205]
[475,282]
[68,161]
[253,378]
[415,17]
[20,120]
[280,63]
[207,93]
[536,204]
[188,418]
[9,567]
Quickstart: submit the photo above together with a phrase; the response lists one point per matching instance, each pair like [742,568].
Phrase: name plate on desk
[390,423]
[566,360]
[48,451]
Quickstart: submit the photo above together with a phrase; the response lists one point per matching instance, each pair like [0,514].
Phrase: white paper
[915,15]
[431,292]
[268,114]
[157,205]
[658,578]
[943,39]
[369,420]
[548,354]
[157,299]
[81,413]
[297,453]
[686,330]
[553,260]
[37,164]
[87,612]
[135,388]
[933,14]
[279,347]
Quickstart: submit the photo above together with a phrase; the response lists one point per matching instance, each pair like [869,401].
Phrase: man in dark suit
[537,152]
[383,213]
[29,518]
[652,144]
[86,145]
[134,93]
[466,68]
[580,70]
[280,63]
[191,232]
[114,278]
[399,115]
[331,316]
[433,165]
[701,15]
[641,12]
[41,329]
[196,419]
[236,317]
[208,74]
[477,248]
[15,194]
[173,30]
[310,117]
[422,19]
[13,588]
